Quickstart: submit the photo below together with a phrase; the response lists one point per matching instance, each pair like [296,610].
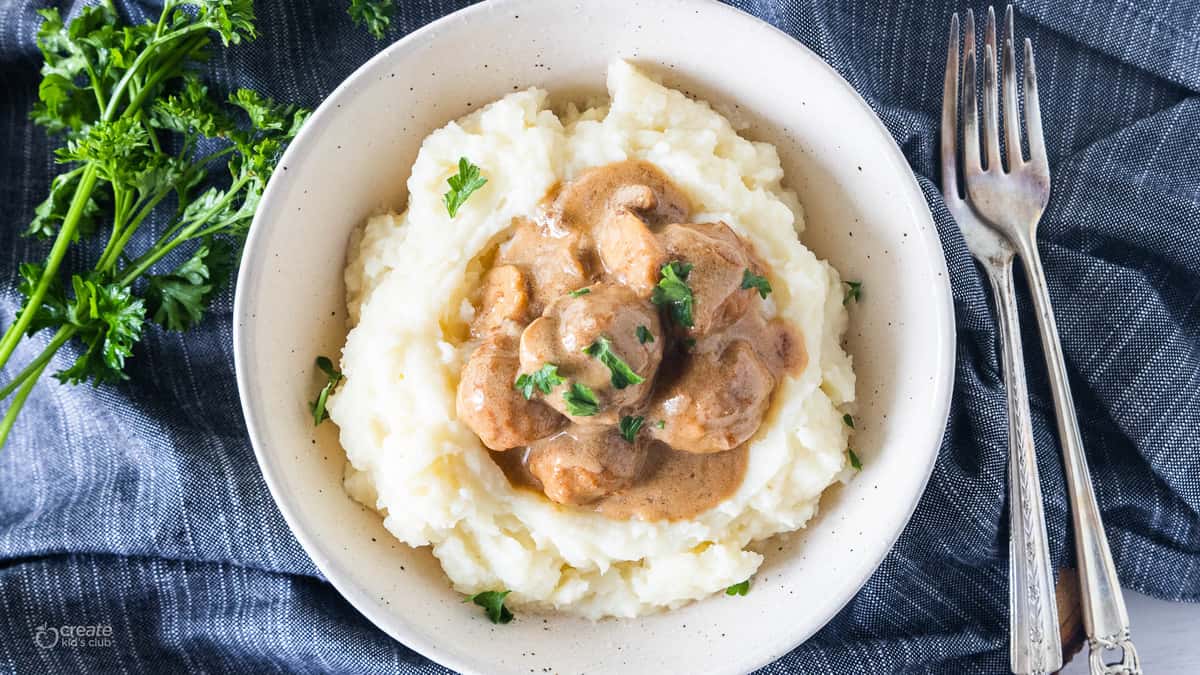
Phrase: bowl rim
[242,333]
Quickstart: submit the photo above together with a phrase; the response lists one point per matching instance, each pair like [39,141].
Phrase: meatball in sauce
[624,356]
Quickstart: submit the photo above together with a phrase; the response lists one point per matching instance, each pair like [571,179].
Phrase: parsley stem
[152,256]
[10,417]
[167,69]
[151,51]
[60,338]
[66,233]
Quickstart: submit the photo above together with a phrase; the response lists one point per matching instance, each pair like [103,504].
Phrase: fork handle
[1034,645]
[1104,617]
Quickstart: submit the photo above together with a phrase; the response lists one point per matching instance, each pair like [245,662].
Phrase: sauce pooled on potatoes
[623,355]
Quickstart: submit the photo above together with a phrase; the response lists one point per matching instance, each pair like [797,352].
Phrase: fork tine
[1012,125]
[1033,114]
[970,113]
[950,115]
[991,97]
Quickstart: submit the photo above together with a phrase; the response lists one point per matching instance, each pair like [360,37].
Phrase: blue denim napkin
[140,507]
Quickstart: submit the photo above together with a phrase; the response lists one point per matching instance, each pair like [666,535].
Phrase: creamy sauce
[673,485]
[587,268]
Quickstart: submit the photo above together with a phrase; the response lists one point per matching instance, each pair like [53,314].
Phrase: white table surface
[1167,636]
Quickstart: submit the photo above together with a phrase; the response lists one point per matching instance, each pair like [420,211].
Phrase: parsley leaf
[492,603]
[739,589]
[661,424]
[853,291]
[462,185]
[582,291]
[107,319]
[544,379]
[854,461]
[644,335]
[848,420]
[673,292]
[334,377]
[621,374]
[372,14]
[630,425]
[177,301]
[751,280]
[581,400]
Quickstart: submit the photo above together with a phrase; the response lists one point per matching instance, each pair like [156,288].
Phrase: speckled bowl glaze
[865,214]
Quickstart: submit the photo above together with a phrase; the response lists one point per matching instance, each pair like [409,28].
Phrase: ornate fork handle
[1104,617]
[1033,620]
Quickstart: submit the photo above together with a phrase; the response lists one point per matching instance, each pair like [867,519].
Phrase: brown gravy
[674,485]
[606,227]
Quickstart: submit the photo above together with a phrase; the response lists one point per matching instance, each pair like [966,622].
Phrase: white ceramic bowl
[865,214]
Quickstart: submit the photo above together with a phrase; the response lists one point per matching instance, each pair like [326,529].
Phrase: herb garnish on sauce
[622,374]
[630,425]
[760,284]
[545,379]
[644,335]
[462,185]
[674,293]
[581,400]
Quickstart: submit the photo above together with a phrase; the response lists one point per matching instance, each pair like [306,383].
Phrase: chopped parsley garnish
[582,291]
[739,589]
[751,280]
[581,400]
[462,185]
[622,374]
[853,291]
[318,406]
[545,379]
[854,461]
[848,420]
[674,293]
[662,424]
[689,344]
[630,425]
[492,603]
[644,335]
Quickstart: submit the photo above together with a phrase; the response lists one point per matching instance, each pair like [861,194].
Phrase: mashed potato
[408,281]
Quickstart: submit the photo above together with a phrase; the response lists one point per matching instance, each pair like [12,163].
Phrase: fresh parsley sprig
[621,375]
[673,292]
[544,379]
[132,113]
[739,588]
[462,185]
[752,280]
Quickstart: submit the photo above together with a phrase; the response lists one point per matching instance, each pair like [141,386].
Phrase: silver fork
[1013,201]
[1033,616]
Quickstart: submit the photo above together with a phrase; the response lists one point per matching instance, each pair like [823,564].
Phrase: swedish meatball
[491,407]
[716,402]
[574,323]
[582,464]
